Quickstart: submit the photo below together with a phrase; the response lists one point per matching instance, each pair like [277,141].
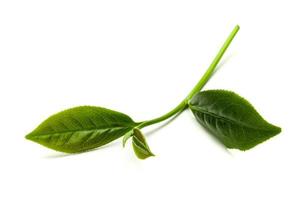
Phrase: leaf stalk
[204,79]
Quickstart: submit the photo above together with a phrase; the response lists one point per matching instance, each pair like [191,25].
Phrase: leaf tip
[142,156]
[278,130]
[275,130]
[29,137]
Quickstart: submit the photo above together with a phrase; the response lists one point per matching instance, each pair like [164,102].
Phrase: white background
[142,57]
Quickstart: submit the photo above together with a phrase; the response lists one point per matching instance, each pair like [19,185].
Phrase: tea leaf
[126,137]
[81,128]
[231,118]
[140,145]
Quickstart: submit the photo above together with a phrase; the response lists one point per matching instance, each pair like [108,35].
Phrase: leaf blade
[140,146]
[81,128]
[231,118]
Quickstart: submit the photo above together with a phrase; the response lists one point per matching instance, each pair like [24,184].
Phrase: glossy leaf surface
[231,119]
[81,128]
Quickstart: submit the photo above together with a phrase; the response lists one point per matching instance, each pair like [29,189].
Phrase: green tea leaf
[231,118]
[126,137]
[140,145]
[81,128]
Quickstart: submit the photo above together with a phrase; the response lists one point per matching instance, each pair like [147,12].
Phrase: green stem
[206,76]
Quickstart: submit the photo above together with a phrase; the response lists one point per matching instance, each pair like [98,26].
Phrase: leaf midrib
[80,130]
[227,119]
